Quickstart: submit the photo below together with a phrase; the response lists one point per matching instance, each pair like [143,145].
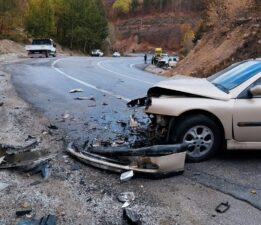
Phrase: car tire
[201,133]
[46,54]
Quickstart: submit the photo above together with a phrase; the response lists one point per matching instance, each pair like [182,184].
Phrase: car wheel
[201,134]
[46,54]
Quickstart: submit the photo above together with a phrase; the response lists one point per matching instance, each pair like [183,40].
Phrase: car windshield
[235,75]
[42,42]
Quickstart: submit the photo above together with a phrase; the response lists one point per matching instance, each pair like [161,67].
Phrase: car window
[235,75]
[41,42]
[246,94]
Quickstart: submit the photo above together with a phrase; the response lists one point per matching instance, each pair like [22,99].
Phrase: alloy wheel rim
[200,140]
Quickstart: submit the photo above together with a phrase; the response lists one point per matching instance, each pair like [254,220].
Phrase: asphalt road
[45,83]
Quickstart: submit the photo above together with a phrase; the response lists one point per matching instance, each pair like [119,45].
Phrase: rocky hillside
[143,30]
[232,32]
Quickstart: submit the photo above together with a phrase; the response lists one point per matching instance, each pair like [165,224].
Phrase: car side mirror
[256,91]
[54,45]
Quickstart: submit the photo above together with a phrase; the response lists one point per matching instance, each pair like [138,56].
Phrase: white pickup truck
[41,47]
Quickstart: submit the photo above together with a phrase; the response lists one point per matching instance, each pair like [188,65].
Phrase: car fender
[177,106]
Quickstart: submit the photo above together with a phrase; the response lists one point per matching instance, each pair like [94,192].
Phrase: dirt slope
[145,30]
[232,33]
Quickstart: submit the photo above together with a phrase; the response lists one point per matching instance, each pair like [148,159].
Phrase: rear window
[42,42]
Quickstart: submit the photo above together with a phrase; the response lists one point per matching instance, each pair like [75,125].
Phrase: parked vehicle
[97,52]
[163,62]
[173,60]
[167,61]
[116,54]
[208,114]
[41,47]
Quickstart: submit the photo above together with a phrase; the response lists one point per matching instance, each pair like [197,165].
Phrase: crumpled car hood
[195,86]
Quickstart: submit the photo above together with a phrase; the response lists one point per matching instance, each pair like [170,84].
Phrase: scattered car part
[52,127]
[1,103]
[25,157]
[66,116]
[133,122]
[10,149]
[126,176]
[2,159]
[3,186]
[126,197]
[132,217]
[47,220]
[125,205]
[23,212]
[42,168]
[222,207]
[160,165]
[156,150]
[76,90]
[85,98]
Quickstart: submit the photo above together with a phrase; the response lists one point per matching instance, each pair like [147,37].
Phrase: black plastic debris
[222,207]
[91,98]
[132,217]
[1,103]
[35,183]
[155,150]
[42,168]
[52,127]
[10,149]
[23,212]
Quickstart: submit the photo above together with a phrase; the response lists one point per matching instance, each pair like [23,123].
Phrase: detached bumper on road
[169,160]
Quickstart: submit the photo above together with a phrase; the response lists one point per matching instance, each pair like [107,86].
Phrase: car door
[247,116]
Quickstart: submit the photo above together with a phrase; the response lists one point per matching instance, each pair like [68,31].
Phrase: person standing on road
[145,58]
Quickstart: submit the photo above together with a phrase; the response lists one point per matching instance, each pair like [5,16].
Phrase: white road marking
[99,64]
[87,84]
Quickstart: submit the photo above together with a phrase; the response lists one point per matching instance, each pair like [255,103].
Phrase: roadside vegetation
[77,24]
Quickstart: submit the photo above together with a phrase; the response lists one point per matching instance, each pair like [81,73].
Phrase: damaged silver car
[208,114]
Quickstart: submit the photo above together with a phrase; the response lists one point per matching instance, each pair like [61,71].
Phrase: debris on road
[1,103]
[160,161]
[66,116]
[42,168]
[91,98]
[125,205]
[133,122]
[126,176]
[76,90]
[222,207]
[253,192]
[2,159]
[23,212]
[47,220]
[91,106]
[52,127]
[3,185]
[132,217]
[126,197]
[23,157]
